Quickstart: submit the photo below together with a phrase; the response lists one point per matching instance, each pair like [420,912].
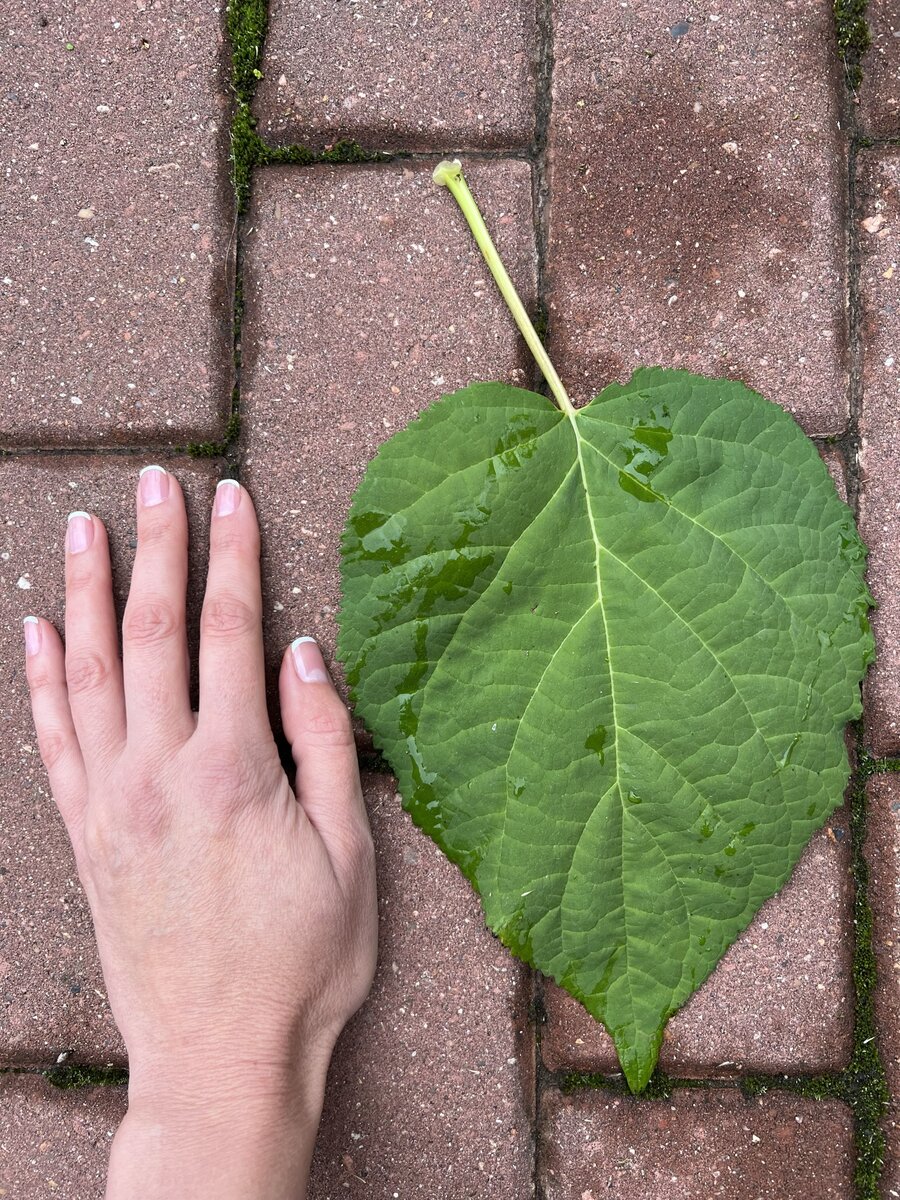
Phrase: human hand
[236,922]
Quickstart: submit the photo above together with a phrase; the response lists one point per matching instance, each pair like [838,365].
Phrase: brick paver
[878,217]
[697,176]
[366,301]
[711,1145]
[397,74]
[879,93]
[431,1087]
[883,858]
[696,214]
[780,1000]
[52,996]
[56,1143]
[116,224]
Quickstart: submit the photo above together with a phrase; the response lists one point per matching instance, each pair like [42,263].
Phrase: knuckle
[227,616]
[79,579]
[153,532]
[40,681]
[146,810]
[224,776]
[361,852]
[53,745]
[328,726]
[237,541]
[86,672]
[149,622]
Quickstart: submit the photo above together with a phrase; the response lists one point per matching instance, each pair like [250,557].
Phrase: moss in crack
[247,21]
[75,1075]
[659,1086]
[217,449]
[853,37]
[867,1088]
[541,321]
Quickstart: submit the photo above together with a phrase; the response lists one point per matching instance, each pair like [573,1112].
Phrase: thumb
[317,724]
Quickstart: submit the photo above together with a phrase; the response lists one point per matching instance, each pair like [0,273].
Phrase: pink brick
[780,1000]
[367,300]
[879,93]
[399,75]
[878,217]
[697,176]
[882,851]
[431,1086]
[695,1146]
[115,239]
[56,1143]
[52,995]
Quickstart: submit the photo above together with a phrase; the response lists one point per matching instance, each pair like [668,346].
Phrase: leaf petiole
[449,174]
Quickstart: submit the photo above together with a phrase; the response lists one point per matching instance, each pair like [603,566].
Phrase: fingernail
[308,660]
[79,532]
[32,628]
[154,485]
[228,496]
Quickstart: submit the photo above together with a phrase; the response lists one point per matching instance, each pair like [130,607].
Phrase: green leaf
[610,655]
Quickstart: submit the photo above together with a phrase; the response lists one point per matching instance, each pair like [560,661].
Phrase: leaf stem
[449,174]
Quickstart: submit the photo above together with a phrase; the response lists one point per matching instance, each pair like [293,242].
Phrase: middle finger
[154,641]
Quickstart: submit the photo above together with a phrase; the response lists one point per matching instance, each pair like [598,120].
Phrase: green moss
[541,321]
[867,1090]
[659,1086]
[217,449]
[853,37]
[247,22]
[76,1075]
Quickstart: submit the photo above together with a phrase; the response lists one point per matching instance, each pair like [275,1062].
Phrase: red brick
[780,1000]
[399,75]
[431,1085]
[116,224]
[697,175]
[52,996]
[882,852]
[56,1143]
[696,1146]
[366,300]
[878,217]
[879,93]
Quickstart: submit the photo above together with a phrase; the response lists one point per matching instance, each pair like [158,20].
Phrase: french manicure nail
[32,628]
[154,486]
[228,496]
[80,531]
[308,660]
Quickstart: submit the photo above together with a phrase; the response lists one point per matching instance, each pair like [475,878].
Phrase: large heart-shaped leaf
[610,655]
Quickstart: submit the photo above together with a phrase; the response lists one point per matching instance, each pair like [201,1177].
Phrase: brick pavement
[693,187]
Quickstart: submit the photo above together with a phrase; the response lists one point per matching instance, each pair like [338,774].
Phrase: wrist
[237,1130]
